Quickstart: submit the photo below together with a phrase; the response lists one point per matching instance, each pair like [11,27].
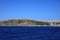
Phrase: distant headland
[28,22]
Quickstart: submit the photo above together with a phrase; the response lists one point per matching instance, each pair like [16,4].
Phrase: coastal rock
[27,22]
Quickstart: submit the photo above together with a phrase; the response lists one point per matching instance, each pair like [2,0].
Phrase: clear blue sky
[35,9]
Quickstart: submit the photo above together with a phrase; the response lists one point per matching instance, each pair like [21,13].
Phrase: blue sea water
[29,33]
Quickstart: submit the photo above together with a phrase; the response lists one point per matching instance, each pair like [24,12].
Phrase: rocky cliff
[28,22]
[22,22]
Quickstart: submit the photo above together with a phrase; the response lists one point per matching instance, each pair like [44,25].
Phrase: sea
[29,33]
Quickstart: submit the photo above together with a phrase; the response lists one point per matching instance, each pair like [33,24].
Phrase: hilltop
[28,22]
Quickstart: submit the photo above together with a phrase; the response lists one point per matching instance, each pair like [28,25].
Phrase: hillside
[28,22]
[22,22]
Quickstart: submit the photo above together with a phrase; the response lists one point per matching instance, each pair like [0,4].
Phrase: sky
[30,9]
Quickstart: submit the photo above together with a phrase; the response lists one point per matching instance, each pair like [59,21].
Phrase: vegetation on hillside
[21,22]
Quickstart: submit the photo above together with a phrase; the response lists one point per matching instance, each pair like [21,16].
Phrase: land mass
[28,22]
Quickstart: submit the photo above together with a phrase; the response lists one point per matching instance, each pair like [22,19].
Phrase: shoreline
[34,25]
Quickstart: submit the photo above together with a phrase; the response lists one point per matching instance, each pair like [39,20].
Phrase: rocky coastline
[28,22]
